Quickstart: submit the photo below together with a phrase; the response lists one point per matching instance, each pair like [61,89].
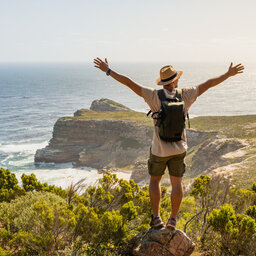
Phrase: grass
[243,127]
[138,117]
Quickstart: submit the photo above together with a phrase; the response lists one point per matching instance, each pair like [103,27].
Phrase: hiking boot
[171,223]
[156,222]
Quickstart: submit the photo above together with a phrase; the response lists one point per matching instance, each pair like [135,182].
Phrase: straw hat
[167,75]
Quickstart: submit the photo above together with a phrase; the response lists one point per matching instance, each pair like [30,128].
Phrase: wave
[26,147]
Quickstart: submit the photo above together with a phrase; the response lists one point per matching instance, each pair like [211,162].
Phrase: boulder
[162,242]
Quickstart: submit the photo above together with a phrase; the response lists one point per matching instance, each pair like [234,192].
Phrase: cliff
[115,138]
[111,135]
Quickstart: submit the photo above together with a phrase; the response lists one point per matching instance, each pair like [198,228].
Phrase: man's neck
[170,91]
[169,88]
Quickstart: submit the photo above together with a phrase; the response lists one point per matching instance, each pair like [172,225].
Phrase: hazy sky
[134,30]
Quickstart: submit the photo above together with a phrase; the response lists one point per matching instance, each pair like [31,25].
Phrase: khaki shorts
[175,164]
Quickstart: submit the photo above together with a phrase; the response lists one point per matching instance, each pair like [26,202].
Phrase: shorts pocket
[177,166]
[156,168]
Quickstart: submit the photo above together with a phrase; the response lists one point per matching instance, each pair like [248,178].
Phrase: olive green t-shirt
[159,147]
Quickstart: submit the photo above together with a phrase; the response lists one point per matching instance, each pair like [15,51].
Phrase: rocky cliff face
[88,141]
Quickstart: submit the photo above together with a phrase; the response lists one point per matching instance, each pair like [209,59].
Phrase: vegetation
[40,219]
[231,126]
[132,116]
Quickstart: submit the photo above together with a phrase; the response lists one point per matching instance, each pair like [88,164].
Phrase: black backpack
[171,117]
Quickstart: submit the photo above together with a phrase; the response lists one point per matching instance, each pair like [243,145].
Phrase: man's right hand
[101,64]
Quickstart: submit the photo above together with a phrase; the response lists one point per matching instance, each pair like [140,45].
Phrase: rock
[107,105]
[209,155]
[96,143]
[162,242]
[140,171]
[81,112]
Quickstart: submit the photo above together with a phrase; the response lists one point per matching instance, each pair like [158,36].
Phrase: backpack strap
[179,94]
[161,95]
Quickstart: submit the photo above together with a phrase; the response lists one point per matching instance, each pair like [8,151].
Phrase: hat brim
[159,82]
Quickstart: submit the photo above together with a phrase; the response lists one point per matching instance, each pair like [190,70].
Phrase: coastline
[118,141]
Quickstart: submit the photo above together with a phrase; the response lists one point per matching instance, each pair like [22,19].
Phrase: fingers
[98,64]
[237,68]
[237,65]
[96,60]
[99,59]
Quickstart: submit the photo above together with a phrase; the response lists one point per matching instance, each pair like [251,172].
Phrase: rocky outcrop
[162,242]
[210,154]
[107,105]
[97,143]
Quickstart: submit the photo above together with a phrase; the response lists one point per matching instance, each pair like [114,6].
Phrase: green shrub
[129,211]
[201,186]
[38,222]
[113,227]
[5,252]
[254,186]
[251,211]
[9,188]
[237,231]
[30,183]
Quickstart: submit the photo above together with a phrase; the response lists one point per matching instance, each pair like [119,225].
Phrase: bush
[30,183]
[37,222]
[105,217]
[129,211]
[251,211]
[237,231]
[9,188]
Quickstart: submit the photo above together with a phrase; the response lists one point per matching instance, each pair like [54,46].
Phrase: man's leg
[155,194]
[176,195]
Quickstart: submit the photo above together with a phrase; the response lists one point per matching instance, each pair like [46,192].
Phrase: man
[162,153]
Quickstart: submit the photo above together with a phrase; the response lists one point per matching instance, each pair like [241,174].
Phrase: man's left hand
[232,71]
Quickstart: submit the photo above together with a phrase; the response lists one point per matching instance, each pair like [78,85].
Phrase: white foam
[22,162]
[7,158]
[27,147]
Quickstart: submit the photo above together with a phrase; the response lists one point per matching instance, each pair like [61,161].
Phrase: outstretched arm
[232,71]
[118,77]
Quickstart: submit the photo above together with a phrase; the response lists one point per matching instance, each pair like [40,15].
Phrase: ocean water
[34,95]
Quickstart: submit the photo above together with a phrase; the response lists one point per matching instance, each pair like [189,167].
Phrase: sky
[127,31]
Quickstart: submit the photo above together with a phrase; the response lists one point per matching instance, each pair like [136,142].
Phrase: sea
[34,95]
